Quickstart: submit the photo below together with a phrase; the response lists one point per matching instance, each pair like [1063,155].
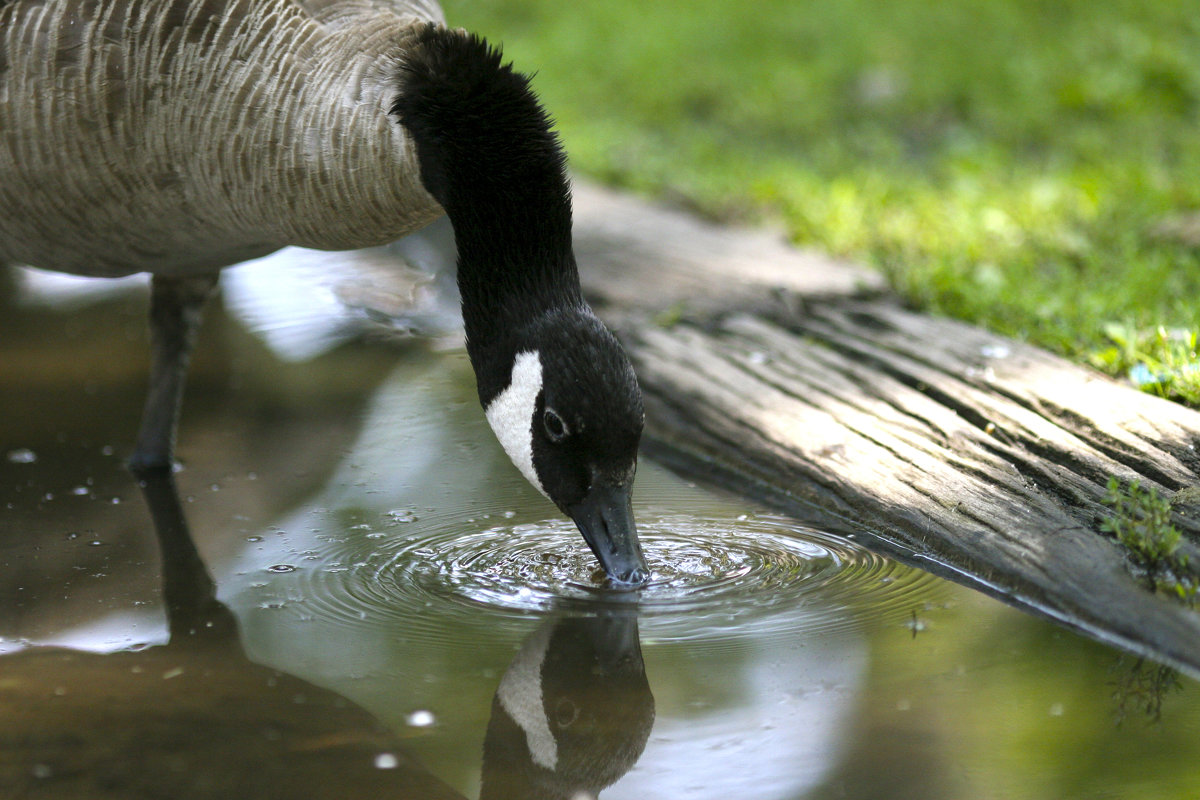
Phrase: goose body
[178,137]
[181,136]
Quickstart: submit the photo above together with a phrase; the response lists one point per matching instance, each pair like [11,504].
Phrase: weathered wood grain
[981,458]
[636,257]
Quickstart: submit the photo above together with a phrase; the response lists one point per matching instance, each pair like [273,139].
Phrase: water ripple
[717,569]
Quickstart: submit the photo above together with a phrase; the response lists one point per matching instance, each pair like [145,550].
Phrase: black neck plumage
[488,154]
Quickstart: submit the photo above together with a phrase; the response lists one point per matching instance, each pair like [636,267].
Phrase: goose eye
[556,429]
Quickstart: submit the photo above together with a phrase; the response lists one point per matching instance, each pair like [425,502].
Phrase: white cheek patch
[511,414]
[520,694]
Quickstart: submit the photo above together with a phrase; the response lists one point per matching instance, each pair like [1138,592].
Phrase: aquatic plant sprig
[1141,522]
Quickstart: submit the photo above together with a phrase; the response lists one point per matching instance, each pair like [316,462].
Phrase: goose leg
[176,307]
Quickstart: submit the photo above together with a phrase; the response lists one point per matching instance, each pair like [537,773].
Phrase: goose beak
[605,518]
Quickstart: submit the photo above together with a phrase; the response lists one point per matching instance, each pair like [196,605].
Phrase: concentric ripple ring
[729,569]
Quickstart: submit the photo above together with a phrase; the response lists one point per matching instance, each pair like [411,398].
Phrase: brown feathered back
[177,136]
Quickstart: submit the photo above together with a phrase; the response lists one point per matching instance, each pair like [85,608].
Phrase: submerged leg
[176,306]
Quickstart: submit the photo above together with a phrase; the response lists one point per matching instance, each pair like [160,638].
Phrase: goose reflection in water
[194,718]
[572,713]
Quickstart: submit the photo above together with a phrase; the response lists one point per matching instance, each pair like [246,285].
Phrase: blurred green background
[1028,166]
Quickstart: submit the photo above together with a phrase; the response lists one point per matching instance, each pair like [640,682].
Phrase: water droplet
[386,761]
[375,535]
[42,771]
[107,450]
[214,487]
[22,455]
[509,514]
[254,538]
[281,568]
[420,719]
[115,501]
[402,515]
[95,543]
[80,491]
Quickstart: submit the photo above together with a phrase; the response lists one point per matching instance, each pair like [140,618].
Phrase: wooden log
[978,457]
[639,258]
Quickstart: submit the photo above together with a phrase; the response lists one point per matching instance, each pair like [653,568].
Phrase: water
[397,613]
[735,568]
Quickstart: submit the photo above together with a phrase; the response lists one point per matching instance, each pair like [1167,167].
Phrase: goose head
[564,403]
[554,383]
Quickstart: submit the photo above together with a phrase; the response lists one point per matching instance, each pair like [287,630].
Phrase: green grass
[1141,522]
[1008,163]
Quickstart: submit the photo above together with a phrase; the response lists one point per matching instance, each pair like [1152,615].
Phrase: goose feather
[181,136]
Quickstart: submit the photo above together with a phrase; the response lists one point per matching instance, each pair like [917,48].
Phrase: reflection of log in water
[194,718]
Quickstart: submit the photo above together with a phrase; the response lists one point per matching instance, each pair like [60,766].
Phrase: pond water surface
[397,613]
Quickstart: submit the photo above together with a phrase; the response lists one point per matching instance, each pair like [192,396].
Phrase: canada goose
[181,137]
